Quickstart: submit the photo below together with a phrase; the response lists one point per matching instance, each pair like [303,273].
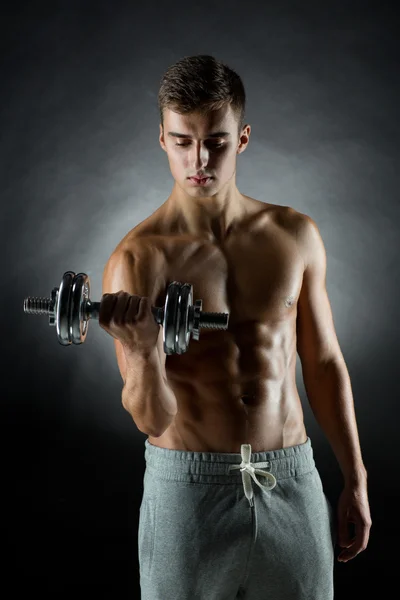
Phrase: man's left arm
[328,387]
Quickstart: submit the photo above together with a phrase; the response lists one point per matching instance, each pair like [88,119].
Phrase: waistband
[216,467]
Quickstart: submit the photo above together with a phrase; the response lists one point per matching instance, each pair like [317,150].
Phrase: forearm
[331,399]
[147,396]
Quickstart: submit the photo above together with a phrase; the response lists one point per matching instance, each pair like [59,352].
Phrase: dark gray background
[81,165]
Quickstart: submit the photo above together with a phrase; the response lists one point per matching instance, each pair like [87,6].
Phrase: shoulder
[286,217]
[307,235]
[303,230]
[300,227]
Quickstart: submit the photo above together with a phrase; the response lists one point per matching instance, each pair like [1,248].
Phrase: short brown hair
[201,84]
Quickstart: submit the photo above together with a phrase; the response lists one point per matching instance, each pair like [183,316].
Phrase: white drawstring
[248,471]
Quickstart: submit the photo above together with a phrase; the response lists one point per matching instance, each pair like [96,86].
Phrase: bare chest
[254,275]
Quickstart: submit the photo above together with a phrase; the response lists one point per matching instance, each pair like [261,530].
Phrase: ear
[244,139]
[161,138]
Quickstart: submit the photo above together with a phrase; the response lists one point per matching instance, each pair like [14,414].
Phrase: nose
[199,156]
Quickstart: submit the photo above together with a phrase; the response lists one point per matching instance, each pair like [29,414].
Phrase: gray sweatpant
[225,526]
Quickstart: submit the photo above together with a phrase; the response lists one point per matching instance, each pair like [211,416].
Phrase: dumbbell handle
[207,319]
[43,306]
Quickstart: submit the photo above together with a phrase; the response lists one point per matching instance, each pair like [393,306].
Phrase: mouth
[201,182]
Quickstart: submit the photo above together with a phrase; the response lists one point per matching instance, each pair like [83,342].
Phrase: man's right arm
[146,394]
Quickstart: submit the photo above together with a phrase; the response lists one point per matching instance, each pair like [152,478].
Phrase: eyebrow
[219,134]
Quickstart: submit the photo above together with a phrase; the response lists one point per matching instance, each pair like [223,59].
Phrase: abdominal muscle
[221,415]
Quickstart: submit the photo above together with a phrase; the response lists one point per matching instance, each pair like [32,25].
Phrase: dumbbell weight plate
[170,310]
[63,308]
[182,331]
[79,320]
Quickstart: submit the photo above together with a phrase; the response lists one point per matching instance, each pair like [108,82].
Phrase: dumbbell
[70,308]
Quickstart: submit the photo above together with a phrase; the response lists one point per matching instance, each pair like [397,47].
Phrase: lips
[200,182]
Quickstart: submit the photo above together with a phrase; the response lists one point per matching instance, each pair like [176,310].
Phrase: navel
[246,398]
[289,301]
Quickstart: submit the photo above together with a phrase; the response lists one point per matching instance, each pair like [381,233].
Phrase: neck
[212,214]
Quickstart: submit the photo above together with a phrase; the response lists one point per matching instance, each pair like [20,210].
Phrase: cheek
[226,155]
[227,162]
[178,163]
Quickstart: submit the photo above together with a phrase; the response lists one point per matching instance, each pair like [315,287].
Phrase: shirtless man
[233,505]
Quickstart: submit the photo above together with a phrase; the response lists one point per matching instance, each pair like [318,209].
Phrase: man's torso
[234,386]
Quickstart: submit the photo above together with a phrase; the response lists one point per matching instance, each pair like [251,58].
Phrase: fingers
[129,319]
[143,309]
[106,308]
[125,309]
[120,308]
[357,544]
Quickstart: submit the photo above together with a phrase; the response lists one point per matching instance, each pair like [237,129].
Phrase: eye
[212,144]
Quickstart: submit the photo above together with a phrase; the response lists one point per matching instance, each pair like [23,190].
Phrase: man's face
[202,146]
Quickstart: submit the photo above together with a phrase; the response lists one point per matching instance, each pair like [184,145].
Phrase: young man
[233,505]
